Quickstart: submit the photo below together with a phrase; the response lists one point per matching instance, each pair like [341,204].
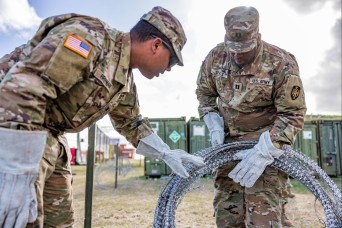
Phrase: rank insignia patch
[238,86]
[295,92]
[78,45]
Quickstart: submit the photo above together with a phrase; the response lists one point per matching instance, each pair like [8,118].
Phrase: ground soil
[133,202]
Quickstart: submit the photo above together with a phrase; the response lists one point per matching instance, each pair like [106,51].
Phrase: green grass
[299,188]
[322,117]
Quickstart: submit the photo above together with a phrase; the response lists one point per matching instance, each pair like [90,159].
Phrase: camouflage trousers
[259,206]
[53,186]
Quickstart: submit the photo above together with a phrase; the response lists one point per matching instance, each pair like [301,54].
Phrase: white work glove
[20,155]
[215,125]
[153,146]
[254,161]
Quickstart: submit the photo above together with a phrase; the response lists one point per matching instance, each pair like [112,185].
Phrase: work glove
[153,146]
[254,161]
[215,125]
[20,155]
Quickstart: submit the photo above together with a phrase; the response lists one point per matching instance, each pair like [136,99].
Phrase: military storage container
[174,133]
[338,132]
[329,146]
[307,142]
[198,133]
[322,141]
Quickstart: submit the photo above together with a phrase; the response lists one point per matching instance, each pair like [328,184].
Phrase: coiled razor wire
[295,164]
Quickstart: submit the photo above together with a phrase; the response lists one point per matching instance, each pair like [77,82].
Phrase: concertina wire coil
[295,164]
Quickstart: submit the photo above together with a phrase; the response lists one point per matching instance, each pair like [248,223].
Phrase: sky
[309,29]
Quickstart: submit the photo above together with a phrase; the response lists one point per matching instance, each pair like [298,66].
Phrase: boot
[291,195]
[285,221]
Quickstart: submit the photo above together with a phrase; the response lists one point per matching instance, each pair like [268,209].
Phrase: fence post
[116,166]
[89,177]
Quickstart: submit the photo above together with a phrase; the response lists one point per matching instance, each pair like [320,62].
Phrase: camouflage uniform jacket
[266,94]
[74,71]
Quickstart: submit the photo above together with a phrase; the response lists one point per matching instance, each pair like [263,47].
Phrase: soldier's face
[158,62]
[243,58]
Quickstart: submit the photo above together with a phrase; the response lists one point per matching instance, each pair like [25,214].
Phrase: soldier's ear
[156,44]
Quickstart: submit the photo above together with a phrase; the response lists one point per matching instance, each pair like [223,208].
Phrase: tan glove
[20,155]
[254,161]
[153,146]
[215,125]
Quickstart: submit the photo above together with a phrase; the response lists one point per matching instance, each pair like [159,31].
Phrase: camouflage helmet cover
[169,25]
[242,29]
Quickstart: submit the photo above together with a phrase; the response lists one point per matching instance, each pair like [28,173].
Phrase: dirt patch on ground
[133,202]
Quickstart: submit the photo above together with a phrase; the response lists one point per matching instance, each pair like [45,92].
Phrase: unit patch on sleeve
[78,45]
[295,92]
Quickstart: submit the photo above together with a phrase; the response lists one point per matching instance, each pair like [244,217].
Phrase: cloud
[305,6]
[19,16]
[308,6]
[326,85]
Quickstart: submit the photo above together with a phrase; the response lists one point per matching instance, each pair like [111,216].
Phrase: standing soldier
[75,70]
[250,90]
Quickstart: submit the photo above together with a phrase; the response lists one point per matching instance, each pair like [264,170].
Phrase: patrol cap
[242,29]
[169,25]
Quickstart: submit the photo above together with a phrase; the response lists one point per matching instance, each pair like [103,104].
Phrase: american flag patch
[78,45]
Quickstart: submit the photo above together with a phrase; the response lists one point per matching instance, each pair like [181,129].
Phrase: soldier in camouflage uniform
[250,90]
[75,70]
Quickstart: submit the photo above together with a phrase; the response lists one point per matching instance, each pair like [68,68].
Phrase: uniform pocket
[224,88]
[64,153]
[258,95]
[93,104]
[66,67]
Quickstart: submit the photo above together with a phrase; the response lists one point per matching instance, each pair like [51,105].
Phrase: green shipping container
[198,133]
[338,132]
[154,167]
[307,141]
[328,147]
[174,133]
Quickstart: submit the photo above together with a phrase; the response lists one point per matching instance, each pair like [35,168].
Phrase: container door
[176,136]
[199,137]
[338,133]
[329,164]
[307,142]
[297,145]
[328,141]
[175,133]
[158,127]
[155,167]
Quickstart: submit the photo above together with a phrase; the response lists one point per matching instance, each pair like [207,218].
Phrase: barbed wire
[292,162]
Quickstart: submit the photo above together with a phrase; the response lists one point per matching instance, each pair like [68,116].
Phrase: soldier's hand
[20,155]
[254,161]
[154,146]
[215,125]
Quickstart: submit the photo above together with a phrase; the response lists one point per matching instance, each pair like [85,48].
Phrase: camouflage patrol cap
[169,25]
[242,29]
